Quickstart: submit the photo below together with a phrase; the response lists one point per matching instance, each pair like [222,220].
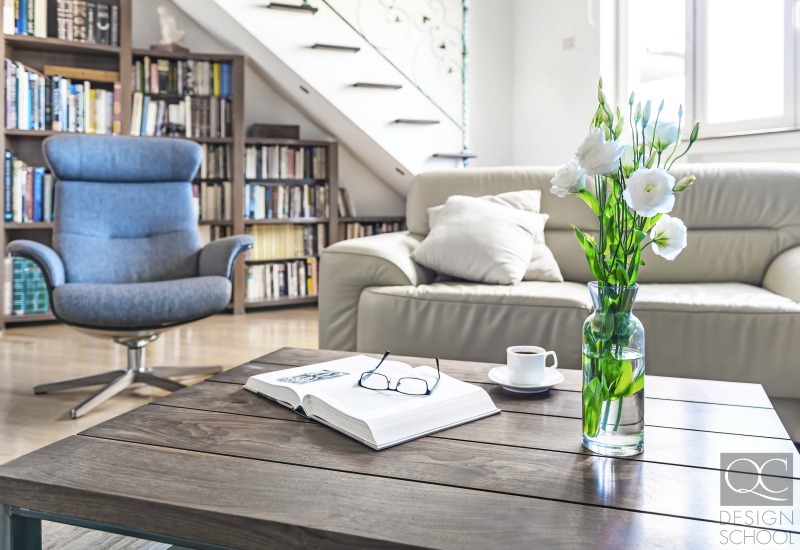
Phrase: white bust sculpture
[170,34]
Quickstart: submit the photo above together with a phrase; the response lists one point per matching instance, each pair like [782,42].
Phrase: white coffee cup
[527,364]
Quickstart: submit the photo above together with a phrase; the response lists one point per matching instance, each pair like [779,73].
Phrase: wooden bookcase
[330,222]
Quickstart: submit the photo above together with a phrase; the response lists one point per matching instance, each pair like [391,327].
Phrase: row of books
[35,101]
[278,242]
[213,201]
[210,233]
[192,117]
[268,201]
[25,289]
[215,162]
[285,162]
[182,77]
[27,191]
[345,204]
[273,281]
[71,20]
[357,230]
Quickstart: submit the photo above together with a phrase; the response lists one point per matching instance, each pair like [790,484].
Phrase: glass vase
[613,373]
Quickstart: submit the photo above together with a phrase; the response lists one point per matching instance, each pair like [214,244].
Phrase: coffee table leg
[19,532]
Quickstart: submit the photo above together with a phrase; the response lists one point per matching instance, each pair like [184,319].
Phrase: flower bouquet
[629,189]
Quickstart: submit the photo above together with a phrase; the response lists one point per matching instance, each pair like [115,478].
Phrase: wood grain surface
[218,464]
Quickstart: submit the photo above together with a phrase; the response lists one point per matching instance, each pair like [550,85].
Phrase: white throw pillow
[529,200]
[543,266]
[480,241]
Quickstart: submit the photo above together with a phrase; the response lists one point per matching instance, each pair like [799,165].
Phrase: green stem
[605,414]
[619,415]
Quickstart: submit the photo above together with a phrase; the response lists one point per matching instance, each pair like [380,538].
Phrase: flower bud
[684,184]
[630,100]
[695,131]
[650,160]
[620,125]
[646,113]
[638,115]
[680,111]
[661,106]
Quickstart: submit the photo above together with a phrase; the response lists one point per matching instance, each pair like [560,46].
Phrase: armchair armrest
[217,257]
[45,257]
[348,267]
[783,274]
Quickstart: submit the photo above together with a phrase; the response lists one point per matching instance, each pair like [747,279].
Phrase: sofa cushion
[712,297]
[139,305]
[477,240]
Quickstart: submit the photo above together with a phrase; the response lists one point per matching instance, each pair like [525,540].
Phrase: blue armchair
[127,261]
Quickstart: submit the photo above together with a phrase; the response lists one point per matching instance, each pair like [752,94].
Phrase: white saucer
[499,375]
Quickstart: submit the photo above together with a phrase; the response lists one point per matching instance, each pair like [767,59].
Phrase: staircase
[324,66]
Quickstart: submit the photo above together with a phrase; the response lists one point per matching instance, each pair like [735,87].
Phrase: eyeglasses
[408,385]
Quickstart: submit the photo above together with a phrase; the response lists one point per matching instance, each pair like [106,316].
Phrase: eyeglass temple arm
[439,379]
[385,355]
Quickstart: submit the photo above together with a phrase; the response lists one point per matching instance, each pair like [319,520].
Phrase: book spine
[38,194]
[17,190]
[47,206]
[69,25]
[91,17]
[56,102]
[9,20]
[103,24]
[29,198]
[48,104]
[18,286]
[114,25]
[30,8]
[40,18]
[116,126]
[7,185]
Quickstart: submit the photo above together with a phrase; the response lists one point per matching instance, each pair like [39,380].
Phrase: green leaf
[592,405]
[590,200]
[623,384]
[648,225]
[638,385]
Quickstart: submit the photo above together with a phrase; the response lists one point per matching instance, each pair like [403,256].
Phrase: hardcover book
[329,393]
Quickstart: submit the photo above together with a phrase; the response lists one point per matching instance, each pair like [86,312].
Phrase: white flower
[598,156]
[649,192]
[569,179]
[665,135]
[669,237]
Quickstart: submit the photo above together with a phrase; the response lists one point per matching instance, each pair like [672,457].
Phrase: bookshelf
[36,52]
[289,199]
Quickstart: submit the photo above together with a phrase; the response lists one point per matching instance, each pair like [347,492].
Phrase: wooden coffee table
[215,466]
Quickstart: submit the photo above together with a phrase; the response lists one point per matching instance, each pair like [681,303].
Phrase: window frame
[695,63]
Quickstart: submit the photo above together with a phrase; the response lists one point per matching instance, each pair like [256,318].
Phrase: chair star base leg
[117,381]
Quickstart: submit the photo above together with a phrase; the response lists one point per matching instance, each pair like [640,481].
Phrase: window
[731,63]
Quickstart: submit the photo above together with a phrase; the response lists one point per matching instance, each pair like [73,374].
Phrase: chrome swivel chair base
[116,381]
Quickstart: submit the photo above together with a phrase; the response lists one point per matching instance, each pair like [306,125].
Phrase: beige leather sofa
[727,308]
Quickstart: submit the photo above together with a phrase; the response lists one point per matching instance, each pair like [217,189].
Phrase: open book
[329,392]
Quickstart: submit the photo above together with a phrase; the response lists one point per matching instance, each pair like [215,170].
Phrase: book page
[331,376]
[365,404]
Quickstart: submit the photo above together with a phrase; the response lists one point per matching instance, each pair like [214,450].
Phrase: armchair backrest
[740,217]
[123,207]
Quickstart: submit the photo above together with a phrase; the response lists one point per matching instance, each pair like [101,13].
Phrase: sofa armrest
[783,274]
[217,257]
[45,257]
[348,267]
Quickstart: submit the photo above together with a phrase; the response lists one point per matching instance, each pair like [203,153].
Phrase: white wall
[491,81]
[264,104]
[554,83]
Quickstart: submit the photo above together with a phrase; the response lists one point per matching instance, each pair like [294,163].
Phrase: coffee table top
[217,464]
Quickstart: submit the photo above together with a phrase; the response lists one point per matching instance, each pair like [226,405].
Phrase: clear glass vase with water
[613,373]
